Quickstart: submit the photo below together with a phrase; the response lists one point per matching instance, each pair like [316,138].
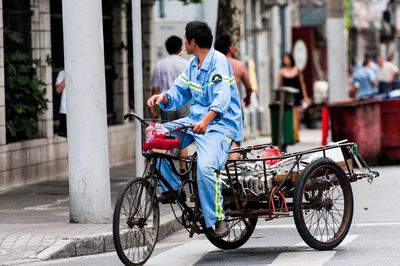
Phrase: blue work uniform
[212,87]
[365,76]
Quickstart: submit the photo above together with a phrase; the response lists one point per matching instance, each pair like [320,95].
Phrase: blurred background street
[59,181]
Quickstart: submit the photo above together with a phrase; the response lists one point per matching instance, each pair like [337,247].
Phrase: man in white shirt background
[60,89]
[387,73]
[165,72]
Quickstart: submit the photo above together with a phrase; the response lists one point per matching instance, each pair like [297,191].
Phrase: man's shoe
[221,229]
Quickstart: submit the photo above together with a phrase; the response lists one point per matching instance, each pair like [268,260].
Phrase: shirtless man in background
[224,45]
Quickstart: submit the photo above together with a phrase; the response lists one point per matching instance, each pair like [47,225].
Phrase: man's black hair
[367,59]
[200,32]
[223,43]
[173,44]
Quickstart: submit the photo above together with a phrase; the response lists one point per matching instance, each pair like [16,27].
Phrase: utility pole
[89,174]
[137,80]
[337,62]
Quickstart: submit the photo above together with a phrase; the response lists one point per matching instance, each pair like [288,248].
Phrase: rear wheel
[323,204]
[240,230]
[136,222]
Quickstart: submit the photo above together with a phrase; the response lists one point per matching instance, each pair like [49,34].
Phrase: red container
[390,129]
[359,122]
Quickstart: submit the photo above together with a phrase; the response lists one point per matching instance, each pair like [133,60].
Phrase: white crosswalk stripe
[303,258]
[192,251]
[290,226]
[187,254]
[309,257]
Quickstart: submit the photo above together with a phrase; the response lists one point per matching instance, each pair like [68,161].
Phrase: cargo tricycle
[312,186]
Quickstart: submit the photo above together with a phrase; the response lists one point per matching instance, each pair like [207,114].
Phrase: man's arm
[247,84]
[395,70]
[201,126]
[373,79]
[155,89]
[177,96]
[60,87]
[60,82]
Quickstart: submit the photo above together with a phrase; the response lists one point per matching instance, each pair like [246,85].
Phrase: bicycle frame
[153,167]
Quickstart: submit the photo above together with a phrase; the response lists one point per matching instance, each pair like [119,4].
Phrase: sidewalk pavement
[34,219]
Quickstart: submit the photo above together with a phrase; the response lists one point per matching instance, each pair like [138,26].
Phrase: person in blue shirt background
[364,80]
[215,113]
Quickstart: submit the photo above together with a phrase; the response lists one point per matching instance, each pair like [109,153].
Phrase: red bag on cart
[271,152]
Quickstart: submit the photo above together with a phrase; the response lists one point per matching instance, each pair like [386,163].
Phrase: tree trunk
[230,17]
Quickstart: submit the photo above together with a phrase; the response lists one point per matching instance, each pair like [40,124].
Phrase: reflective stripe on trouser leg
[218,197]
[212,149]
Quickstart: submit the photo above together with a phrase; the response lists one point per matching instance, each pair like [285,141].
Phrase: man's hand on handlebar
[156,100]
[200,127]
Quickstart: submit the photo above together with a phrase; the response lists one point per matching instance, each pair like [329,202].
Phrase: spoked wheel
[323,204]
[240,230]
[136,222]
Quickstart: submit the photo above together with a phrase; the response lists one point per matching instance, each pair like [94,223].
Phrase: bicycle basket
[159,141]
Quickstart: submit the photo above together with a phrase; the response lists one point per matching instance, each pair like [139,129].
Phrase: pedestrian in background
[387,73]
[164,75]
[224,45]
[364,81]
[291,76]
[60,89]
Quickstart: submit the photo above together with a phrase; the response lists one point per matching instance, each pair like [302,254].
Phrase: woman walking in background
[291,76]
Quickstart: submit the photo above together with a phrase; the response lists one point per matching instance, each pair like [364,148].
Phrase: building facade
[39,22]
[265,35]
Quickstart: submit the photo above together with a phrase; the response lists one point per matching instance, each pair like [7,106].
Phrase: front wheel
[136,222]
[240,230]
[323,204]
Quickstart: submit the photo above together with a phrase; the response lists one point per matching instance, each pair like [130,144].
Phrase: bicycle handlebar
[142,121]
[131,114]
[179,128]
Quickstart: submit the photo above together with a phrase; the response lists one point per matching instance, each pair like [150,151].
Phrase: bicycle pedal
[195,230]
[167,201]
[192,198]
[183,196]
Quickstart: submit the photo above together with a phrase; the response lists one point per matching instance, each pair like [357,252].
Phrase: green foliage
[25,94]
[347,14]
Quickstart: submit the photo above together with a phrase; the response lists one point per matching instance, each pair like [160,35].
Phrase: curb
[74,247]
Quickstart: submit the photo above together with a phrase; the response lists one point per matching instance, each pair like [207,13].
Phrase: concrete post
[337,63]
[137,80]
[89,179]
